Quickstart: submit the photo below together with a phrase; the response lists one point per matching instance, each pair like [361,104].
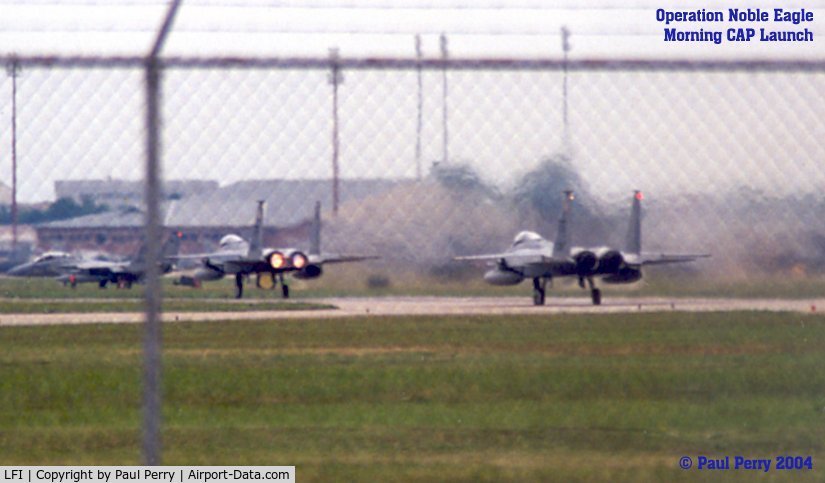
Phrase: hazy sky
[662,132]
[529,28]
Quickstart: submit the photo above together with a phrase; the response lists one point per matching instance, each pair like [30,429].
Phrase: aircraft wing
[244,265]
[663,258]
[212,258]
[490,257]
[194,256]
[332,258]
[518,259]
[99,268]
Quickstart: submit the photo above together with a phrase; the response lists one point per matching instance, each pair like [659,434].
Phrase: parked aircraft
[532,256]
[72,269]
[50,264]
[235,256]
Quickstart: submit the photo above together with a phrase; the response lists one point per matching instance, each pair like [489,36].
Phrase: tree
[540,191]
[61,209]
[462,177]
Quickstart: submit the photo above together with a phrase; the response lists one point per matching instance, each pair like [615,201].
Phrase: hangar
[203,217]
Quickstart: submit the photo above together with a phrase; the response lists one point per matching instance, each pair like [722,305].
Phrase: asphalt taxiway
[440,306]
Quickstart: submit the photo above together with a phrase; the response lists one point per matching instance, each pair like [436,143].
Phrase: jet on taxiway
[532,256]
[72,269]
[235,256]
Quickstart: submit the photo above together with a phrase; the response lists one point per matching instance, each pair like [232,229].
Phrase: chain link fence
[728,156]
[413,160]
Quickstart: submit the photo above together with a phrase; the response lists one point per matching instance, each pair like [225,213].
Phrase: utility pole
[13,68]
[335,78]
[418,125]
[445,152]
[565,45]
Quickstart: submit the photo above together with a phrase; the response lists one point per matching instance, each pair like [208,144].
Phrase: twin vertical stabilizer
[561,246]
[315,231]
[633,242]
[256,242]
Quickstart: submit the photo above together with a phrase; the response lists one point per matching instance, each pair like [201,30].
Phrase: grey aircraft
[235,256]
[50,264]
[71,269]
[532,256]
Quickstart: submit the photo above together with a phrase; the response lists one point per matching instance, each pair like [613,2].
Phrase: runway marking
[435,306]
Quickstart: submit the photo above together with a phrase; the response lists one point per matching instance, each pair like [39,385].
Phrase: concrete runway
[435,306]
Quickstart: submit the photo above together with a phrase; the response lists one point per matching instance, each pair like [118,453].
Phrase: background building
[204,216]
[120,192]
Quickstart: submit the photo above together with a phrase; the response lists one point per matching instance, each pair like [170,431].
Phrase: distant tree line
[61,209]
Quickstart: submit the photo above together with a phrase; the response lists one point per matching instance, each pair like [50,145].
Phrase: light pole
[565,45]
[335,78]
[13,68]
[418,125]
[445,151]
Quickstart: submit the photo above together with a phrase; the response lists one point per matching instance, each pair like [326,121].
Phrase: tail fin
[172,245]
[256,241]
[561,246]
[315,231]
[140,255]
[633,243]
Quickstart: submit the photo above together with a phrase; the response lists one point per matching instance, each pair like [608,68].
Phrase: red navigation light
[639,196]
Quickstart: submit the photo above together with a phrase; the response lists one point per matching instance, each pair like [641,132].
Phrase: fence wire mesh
[730,161]
[414,160]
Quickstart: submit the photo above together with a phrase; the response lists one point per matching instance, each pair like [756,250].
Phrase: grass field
[561,398]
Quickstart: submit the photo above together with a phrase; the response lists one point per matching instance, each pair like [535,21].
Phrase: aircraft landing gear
[100,284]
[284,287]
[238,285]
[595,294]
[539,290]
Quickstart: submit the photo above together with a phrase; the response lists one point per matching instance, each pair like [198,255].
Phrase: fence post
[152,330]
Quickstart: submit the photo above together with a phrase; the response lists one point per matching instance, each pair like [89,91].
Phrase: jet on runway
[532,256]
[72,269]
[235,256]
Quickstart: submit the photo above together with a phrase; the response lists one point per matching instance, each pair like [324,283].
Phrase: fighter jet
[72,269]
[50,264]
[532,256]
[235,256]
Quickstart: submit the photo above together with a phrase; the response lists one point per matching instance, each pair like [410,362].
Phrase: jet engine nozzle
[276,260]
[611,262]
[586,262]
[298,260]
